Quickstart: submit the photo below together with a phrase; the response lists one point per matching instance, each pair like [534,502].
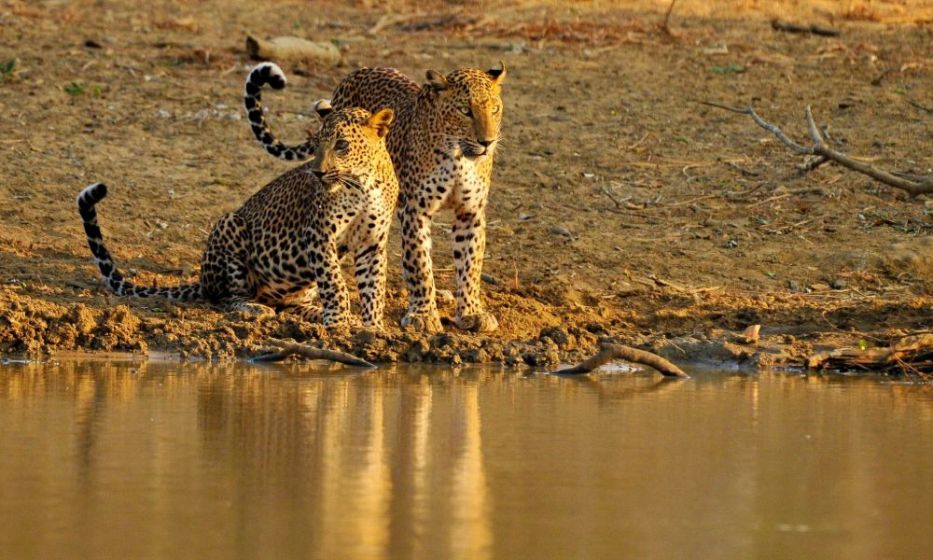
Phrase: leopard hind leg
[225,277]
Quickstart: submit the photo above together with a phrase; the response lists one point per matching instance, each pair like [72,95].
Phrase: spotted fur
[442,146]
[284,244]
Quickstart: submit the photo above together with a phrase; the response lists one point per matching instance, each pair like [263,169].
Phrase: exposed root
[609,352]
[288,348]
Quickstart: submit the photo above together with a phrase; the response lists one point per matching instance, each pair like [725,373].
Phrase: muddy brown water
[166,460]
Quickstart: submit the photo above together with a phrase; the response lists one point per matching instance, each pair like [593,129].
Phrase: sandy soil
[621,208]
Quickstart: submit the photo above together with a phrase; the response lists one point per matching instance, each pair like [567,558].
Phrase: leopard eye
[466,111]
[496,109]
[341,145]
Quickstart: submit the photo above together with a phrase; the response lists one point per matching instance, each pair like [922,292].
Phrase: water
[163,460]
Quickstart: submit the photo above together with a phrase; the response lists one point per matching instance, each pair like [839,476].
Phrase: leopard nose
[485,143]
[318,173]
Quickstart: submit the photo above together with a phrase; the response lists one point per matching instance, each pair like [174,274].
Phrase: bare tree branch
[609,352]
[915,187]
[289,348]
[814,163]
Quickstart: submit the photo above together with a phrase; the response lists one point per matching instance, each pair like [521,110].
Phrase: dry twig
[788,27]
[619,202]
[288,348]
[609,352]
[917,186]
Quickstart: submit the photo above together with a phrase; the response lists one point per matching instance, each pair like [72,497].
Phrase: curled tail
[88,198]
[270,73]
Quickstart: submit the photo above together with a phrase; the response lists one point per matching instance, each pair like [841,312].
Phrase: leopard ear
[381,120]
[436,80]
[323,108]
[497,74]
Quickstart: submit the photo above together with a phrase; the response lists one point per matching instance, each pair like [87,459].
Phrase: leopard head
[351,141]
[470,107]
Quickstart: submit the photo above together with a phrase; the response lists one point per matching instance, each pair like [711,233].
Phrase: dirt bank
[620,208]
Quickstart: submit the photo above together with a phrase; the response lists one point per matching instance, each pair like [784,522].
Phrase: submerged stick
[609,352]
[289,348]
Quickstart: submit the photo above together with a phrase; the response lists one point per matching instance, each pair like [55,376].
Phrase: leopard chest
[453,182]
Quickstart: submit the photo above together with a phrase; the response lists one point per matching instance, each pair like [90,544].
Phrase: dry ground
[621,207]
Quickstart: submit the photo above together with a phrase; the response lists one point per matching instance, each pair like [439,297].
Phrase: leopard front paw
[426,321]
[482,322]
[256,310]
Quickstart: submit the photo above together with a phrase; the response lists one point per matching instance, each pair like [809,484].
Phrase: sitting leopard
[442,146]
[286,241]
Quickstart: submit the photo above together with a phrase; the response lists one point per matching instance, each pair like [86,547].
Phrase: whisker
[351,181]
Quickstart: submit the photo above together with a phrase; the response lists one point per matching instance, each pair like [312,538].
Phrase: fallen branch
[911,354]
[914,186]
[609,352]
[288,348]
[787,27]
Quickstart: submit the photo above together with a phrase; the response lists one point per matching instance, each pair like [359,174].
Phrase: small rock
[838,284]
[293,48]
[558,334]
[560,230]
[489,279]
[731,244]
[751,334]
[793,286]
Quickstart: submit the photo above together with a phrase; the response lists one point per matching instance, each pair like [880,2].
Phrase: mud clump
[31,326]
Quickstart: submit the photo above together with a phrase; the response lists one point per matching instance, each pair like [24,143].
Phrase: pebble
[560,230]
[838,284]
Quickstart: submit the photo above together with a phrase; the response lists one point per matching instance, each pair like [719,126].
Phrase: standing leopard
[442,145]
[285,242]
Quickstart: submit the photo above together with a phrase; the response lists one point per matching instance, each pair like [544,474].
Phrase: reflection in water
[169,460]
[360,457]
